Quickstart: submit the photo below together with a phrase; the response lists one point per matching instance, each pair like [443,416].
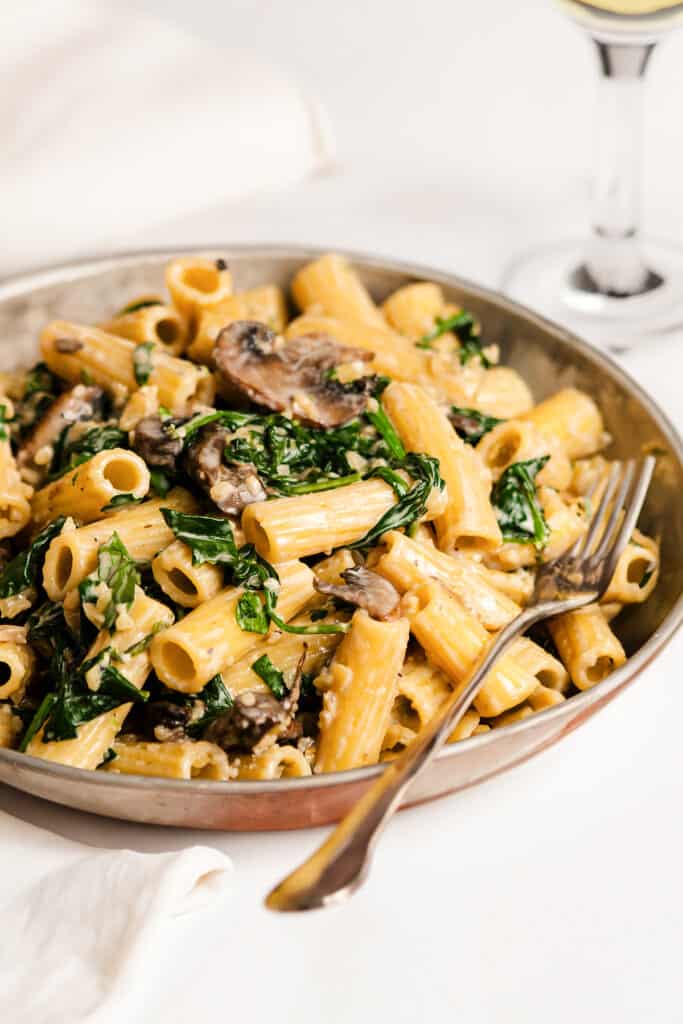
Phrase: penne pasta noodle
[10,727]
[359,692]
[92,489]
[573,418]
[587,645]
[169,760]
[331,285]
[157,323]
[142,529]
[393,354]
[196,284]
[185,583]
[275,763]
[266,305]
[468,521]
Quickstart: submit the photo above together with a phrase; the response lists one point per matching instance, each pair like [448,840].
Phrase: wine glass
[616,288]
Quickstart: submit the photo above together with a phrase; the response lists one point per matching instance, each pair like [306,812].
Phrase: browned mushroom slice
[231,488]
[290,377]
[155,442]
[82,402]
[251,716]
[365,589]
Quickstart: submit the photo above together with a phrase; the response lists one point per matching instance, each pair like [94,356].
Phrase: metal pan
[548,357]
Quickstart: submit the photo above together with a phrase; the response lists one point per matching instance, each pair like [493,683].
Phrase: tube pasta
[142,529]
[517,441]
[275,763]
[266,305]
[331,285]
[359,690]
[502,392]
[567,521]
[88,491]
[158,323]
[453,640]
[408,564]
[413,309]
[637,572]
[10,727]
[169,760]
[393,354]
[468,520]
[15,510]
[573,418]
[196,285]
[72,350]
[16,667]
[587,645]
[311,524]
[209,639]
[187,584]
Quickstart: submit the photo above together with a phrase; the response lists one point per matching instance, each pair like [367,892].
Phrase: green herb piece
[40,380]
[385,427]
[210,538]
[47,630]
[470,424]
[3,423]
[24,571]
[518,511]
[160,481]
[109,755]
[141,645]
[87,377]
[76,704]
[38,720]
[463,325]
[120,500]
[319,613]
[115,571]
[411,505]
[142,361]
[69,454]
[271,676]
[251,614]
[647,576]
[164,412]
[216,699]
[134,306]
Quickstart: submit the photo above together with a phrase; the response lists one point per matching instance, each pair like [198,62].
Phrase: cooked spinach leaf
[142,361]
[25,568]
[121,500]
[251,613]
[210,538]
[271,676]
[464,326]
[38,720]
[216,699]
[115,575]
[412,504]
[160,481]
[3,423]
[109,755]
[75,704]
[518,511]
[470,424]
[134,306]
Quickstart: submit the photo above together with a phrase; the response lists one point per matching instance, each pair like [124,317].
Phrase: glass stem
[614,263]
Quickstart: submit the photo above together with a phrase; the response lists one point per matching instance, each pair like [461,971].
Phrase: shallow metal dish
[548,357]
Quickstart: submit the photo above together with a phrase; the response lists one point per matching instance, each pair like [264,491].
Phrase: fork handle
[340,865]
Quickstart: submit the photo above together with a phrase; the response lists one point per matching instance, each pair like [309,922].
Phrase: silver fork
[576,578]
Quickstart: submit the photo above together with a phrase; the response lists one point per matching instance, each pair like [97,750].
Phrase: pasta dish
[248,535]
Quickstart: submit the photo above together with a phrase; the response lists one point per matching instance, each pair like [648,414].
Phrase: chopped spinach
[463,325]
[470,424]
[121,500]
[271,676]
[518,511]
[210,538]
[142,362]
[75,703]
[216,699]
[412,504]
[38,720]
[24,570]
[160,481]
[109,755]
[117,573]
[3,423]
[251,613]
[136,305]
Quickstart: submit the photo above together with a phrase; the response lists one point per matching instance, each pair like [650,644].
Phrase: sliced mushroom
[81,402]
[251,716]
[164,720]
[365,589]
[230,487]
[157,445]
[290,377]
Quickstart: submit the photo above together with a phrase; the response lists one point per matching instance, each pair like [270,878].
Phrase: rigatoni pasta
[239,546]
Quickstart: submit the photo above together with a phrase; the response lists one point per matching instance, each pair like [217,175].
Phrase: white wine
[623,18]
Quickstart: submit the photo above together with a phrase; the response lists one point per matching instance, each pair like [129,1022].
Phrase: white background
[554,893]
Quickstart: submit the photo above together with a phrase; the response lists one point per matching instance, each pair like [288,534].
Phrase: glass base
[551,281]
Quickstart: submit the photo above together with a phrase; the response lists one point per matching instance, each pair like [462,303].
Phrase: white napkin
[113,121]
[80,925]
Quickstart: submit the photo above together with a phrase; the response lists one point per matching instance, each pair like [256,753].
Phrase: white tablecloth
[553,893]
